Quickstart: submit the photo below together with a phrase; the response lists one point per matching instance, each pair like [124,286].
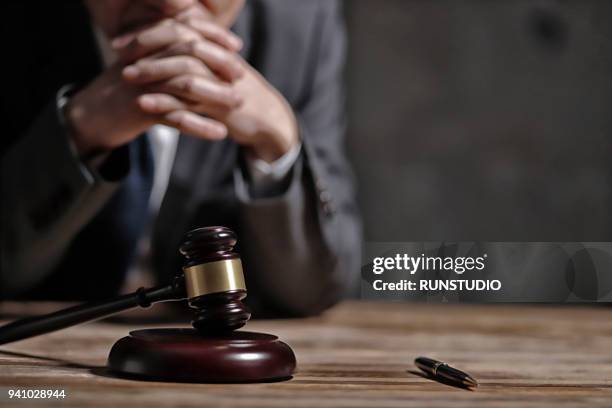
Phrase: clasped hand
[185,72]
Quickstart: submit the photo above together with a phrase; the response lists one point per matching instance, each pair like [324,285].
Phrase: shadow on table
[439,380]
[63,363]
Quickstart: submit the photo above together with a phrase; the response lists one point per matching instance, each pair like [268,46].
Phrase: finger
[196,125]
[226,64]
[134,46]
[201,90]
[215,33]
[168,31]
[154,70]
[124,39]
[159,103]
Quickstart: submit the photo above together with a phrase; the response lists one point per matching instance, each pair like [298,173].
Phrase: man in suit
[93,186]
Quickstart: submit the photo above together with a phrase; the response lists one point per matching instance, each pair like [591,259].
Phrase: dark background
[481,120]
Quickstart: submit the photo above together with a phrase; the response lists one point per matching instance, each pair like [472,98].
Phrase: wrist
[79,130]
[103,115]
[269,151]
[276,143]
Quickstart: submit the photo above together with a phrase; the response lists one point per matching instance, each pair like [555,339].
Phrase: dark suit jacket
[300,249]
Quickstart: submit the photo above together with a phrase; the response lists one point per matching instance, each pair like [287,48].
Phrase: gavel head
[214,280]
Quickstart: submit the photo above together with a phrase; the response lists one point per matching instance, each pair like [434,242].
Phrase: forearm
[304,248]
[48,195]
[300,259]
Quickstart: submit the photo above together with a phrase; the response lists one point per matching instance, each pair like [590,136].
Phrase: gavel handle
[34,326]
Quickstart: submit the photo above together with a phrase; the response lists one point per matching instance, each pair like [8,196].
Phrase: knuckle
[215,29]
[185,34]
[183,121]
[218,57]
[175,30]
[188,85]
[191,21]
[176,118]
[223,58]
[223,105]
[139,41]
[227,101]
[143,64]
[193,46]
[227,60]
[145,67]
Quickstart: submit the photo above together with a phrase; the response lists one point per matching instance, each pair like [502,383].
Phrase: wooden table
[358,355]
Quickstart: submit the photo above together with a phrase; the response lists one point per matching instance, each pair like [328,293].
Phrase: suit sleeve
[48,195]
[302,248]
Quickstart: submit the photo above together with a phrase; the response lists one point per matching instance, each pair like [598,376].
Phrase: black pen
[440,370]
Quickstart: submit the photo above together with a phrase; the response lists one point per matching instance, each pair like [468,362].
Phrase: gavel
[212,281]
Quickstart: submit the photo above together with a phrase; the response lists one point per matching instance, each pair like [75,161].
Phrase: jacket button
[329,209]
[319,185]
[327,204]
[325,197]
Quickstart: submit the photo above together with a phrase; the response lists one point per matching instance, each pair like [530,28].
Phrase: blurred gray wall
[481,120]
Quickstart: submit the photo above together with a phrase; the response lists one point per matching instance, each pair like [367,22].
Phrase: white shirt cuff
[266,175]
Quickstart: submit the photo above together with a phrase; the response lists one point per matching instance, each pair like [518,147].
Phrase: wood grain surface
[357,355]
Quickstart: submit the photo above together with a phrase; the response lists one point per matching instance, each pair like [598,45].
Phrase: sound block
[185,355]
